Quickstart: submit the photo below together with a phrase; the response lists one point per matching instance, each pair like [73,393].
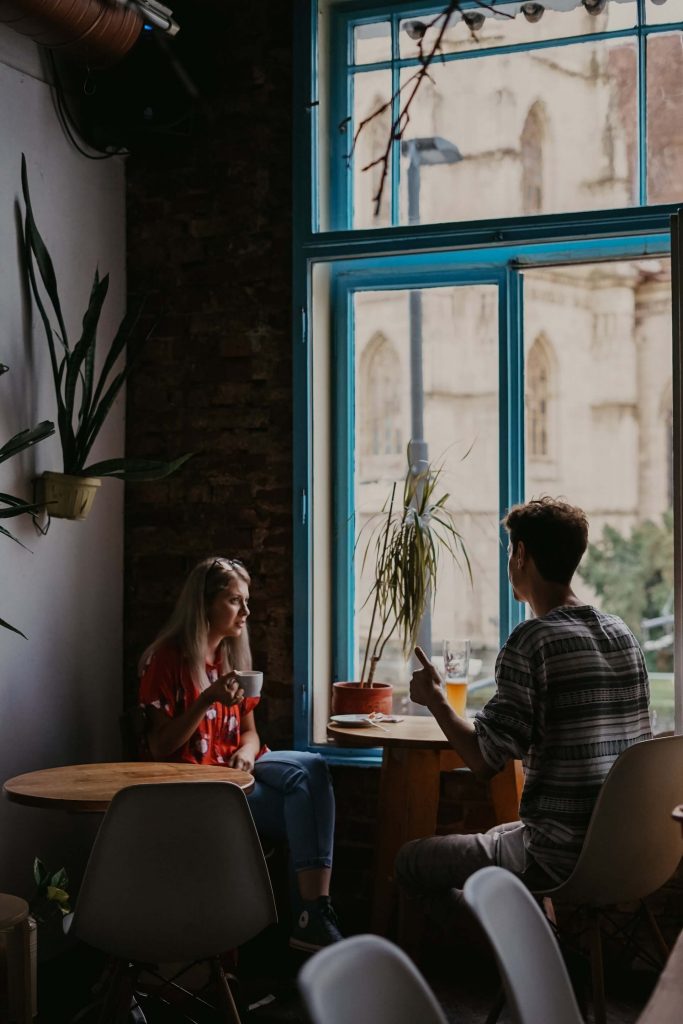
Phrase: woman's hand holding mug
[226,690]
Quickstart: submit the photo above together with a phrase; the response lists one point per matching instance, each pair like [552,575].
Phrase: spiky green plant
[407,542]
[11,505]
[83,403]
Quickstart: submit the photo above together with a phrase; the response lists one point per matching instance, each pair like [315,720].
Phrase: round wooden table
[414,753]
[90,787]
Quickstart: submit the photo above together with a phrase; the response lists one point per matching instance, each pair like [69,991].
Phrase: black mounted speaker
[161,92]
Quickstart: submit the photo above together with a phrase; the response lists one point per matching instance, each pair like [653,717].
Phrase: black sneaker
[316,926]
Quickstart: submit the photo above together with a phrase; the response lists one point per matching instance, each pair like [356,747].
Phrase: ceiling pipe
[94,32]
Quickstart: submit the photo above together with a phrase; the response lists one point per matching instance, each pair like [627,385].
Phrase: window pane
[372,43]
[371,95]
[549,131]
[509,26]
[459,331]
[599,432]
[664,127]
[663,12]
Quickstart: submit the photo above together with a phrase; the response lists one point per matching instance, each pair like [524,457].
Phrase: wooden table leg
[408,806]
[506,792]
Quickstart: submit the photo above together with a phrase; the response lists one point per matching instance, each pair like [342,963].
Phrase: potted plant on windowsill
[83,401]
[407,543]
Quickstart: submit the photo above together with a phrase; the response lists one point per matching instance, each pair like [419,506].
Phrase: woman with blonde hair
[197,713]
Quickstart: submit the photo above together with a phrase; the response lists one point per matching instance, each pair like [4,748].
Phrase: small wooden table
[415,751]
[91,787]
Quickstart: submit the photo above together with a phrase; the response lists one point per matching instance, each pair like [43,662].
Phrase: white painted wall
[60,690]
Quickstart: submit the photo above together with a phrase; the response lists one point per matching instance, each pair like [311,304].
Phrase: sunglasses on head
[226,563]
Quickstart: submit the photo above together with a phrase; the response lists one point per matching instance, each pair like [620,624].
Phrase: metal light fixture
[415,29]
[473,19]
[532,12]
[594,6]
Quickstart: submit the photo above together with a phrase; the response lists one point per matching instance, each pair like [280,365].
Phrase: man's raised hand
[426,684]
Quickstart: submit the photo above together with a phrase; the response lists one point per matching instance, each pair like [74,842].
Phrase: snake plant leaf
[7,625]
[18,510]
[83,402]
[136,469]
[83,348]
[7,533]
[55,364]
[124,338]
[42,256]
[26,439]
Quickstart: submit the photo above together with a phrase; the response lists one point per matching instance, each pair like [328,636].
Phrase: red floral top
[167,685]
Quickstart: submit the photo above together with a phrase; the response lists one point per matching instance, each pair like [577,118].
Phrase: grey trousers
[434,870]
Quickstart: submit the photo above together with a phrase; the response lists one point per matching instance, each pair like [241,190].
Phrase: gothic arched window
[538,399]
[381,400]
[531,147]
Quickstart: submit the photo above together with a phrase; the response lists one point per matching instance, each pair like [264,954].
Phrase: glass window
[664,121]
[530,353]
[663,12]
[372,42]
[611,327]
[508,25]
[372,105]
[526,109]
[539,388]
[578,152]
[455,331]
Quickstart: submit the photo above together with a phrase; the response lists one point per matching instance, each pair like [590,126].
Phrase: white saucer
[352,721]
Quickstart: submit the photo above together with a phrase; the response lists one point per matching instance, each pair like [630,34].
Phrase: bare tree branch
[402,119]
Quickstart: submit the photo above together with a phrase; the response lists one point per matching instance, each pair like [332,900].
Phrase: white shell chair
[537,986]
[632,846]
[176,875]
[366,980]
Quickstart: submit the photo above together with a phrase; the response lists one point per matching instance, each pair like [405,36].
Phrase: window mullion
[642,106]
[511,420]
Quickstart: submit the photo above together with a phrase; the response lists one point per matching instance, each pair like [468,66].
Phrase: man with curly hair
[572,694]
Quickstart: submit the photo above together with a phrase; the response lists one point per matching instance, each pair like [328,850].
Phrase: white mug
[250,681]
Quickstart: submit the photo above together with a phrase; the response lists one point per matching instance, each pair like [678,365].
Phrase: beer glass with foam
[456,662]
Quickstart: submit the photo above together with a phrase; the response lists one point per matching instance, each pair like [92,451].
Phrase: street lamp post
[421,152]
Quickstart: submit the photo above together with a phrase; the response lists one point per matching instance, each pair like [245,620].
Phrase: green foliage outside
[633,578]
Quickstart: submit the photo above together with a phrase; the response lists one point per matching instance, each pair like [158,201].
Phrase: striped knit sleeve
[504,727]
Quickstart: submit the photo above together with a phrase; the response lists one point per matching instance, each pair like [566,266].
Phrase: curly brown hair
[554,533]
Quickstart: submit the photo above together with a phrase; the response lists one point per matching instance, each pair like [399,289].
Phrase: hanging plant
[10,505]
[83,399]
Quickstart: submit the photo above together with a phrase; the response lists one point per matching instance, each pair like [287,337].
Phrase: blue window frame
[397,257]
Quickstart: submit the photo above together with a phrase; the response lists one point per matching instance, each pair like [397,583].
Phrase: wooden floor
[464,984]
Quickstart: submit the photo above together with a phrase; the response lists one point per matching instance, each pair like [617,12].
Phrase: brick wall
[209,234]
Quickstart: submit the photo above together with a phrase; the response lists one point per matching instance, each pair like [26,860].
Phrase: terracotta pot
[354,699]
[67,497]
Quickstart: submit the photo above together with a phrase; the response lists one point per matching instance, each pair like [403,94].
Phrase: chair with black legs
[176,875]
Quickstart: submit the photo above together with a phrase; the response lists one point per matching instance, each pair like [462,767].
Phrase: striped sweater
[572,693]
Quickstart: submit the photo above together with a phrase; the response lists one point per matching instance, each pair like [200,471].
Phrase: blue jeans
[293,800]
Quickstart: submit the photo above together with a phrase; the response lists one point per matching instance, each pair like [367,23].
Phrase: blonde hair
[188,625]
